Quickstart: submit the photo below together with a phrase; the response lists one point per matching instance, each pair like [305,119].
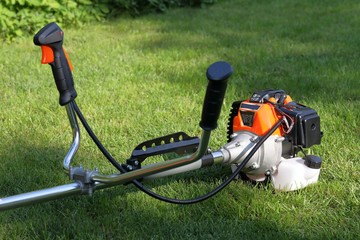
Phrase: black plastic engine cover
[306,131]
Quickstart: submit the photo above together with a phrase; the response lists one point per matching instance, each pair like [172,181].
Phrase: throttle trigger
[68,60]
[47,54]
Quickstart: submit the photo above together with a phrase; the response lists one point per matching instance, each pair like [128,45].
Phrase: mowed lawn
[142,78]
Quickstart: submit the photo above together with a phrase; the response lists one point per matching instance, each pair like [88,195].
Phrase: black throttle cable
[144,189]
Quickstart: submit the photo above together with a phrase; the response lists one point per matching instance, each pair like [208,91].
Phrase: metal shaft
[39,196]
[215,158]
[186,168]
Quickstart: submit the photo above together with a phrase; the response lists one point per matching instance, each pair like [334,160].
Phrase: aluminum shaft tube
[39,196]
[186,168]
[45,195]
[205,161]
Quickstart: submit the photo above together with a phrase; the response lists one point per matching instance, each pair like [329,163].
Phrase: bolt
[237,144]
[136,163]
[130,168]
[273,169]
[254,166]
[279,139]
[234,135]
[90,191]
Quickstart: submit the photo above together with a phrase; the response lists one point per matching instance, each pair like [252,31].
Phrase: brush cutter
[265,134]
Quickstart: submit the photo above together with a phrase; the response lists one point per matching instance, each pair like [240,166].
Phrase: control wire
[144,189]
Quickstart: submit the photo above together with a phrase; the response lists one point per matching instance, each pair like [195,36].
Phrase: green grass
[142,78]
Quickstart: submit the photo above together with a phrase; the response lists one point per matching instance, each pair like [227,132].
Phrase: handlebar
[217,74]
[50,39]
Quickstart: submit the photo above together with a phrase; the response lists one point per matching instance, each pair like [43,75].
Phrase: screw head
[233,135]
[254,166]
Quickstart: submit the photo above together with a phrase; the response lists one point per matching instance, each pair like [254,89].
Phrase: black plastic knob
[313,161]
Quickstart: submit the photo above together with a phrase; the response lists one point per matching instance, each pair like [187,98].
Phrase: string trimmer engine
[276,159]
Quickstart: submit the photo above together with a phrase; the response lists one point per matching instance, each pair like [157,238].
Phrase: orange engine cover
[257,118]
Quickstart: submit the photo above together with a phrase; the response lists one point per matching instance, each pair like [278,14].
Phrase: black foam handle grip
[52,36]
[63,77]
[217,74]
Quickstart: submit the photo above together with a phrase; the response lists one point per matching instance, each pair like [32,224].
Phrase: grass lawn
[142,78]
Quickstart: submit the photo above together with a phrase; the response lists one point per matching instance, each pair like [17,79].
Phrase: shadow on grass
[123,210]
[118,211]
[26,167]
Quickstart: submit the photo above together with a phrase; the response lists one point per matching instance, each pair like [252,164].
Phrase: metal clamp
[83,177]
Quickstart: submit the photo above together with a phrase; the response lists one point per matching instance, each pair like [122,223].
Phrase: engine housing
[276,158]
